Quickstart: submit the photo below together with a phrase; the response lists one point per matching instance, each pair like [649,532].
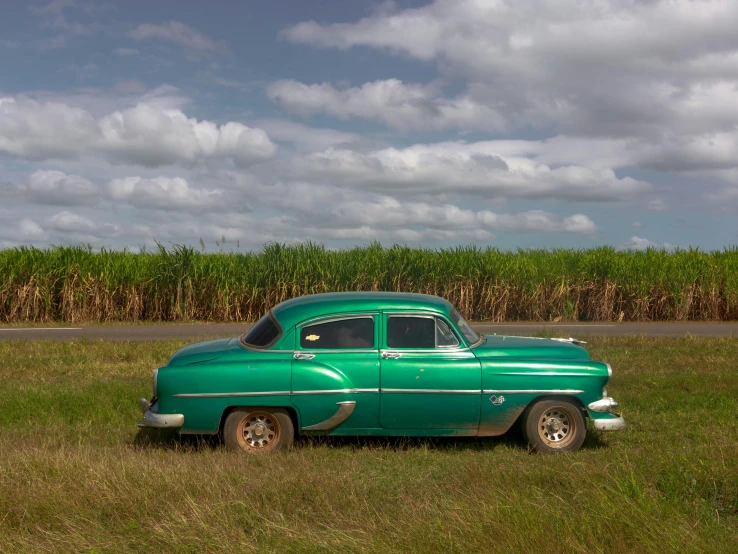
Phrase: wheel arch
[291,411]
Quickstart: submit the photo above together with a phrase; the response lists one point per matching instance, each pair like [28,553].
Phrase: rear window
[264,334]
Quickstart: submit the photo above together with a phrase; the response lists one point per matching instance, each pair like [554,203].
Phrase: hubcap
[259,430]
[556,427]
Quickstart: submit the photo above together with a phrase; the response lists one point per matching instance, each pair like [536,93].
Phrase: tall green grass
[75,476]
[180,283]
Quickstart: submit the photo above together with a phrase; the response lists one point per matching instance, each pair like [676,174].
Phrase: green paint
[443,391]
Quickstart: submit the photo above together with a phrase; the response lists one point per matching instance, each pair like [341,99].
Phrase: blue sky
[502,123]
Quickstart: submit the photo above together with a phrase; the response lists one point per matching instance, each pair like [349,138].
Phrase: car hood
[202,352]
[528,347]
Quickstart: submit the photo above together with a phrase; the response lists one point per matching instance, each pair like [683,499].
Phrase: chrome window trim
[329,319]
[266,347]
[340,351]
[335,317]
[434,316]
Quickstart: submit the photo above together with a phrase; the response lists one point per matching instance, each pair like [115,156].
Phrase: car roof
[296,310]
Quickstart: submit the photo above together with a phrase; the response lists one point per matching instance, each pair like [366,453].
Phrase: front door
[428,378]
[336,361]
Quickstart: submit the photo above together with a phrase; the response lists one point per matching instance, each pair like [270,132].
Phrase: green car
[379,364]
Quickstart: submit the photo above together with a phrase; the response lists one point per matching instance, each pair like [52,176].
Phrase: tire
[258,430]
[552,426]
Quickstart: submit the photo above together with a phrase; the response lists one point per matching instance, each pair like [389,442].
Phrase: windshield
[470,334]
[263,334]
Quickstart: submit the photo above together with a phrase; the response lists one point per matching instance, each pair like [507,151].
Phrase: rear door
[429,379]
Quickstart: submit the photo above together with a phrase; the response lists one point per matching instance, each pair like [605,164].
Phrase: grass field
[176,284]
[75,476]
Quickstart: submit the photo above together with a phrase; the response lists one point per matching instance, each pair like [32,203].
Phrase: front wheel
[554,426]
[258,430]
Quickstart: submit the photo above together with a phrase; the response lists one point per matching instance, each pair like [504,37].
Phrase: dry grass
[75,475]
[77,284]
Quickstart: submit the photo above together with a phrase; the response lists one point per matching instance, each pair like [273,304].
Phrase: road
[211,330]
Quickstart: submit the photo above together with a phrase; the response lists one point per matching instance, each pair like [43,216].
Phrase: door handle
[303,356]
[391,355]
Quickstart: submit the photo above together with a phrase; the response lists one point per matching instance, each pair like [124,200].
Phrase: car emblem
[312,337]
[497,400]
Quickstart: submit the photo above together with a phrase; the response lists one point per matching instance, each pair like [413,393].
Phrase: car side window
[411,332]
[355,332]
[445,337]
[427,332]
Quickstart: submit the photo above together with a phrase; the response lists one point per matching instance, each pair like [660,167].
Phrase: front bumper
[610,424]
[603,414]
[154,420]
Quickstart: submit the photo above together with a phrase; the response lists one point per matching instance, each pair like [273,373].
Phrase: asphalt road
[213,330]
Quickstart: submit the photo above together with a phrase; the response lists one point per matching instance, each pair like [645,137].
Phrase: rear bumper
[154,420]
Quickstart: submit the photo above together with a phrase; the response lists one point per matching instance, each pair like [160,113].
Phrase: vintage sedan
[376,363]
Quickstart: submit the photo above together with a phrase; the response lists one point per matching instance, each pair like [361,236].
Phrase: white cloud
[638,243]
[59,188]
[70,223]
[463,167]
[609,68]
[25,231]
[399,105]
[385,212]
[182,35]
[166,193]
[306,138]
[144,134]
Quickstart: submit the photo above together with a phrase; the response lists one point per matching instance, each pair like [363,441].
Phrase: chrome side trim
[612,424]
[609,370]
[274,393]
[331,391]
[227,394]
[431,391]
[533,391]
[345,409]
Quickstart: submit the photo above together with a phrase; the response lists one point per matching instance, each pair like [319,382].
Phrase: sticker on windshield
[312,337]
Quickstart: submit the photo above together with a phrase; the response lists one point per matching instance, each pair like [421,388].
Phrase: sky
[502,123]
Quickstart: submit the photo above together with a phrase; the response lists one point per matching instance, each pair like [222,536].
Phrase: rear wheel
[258,430]
[554,426]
